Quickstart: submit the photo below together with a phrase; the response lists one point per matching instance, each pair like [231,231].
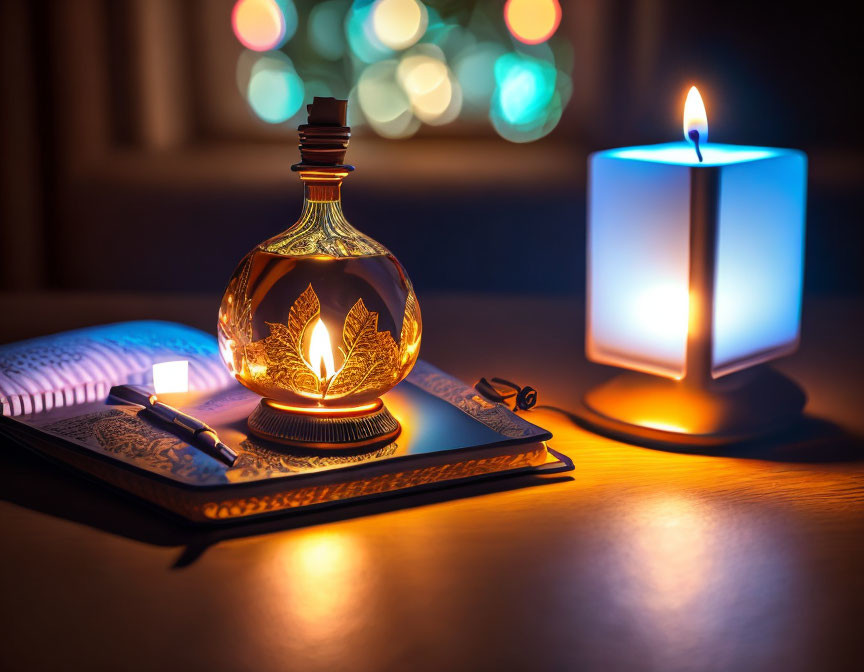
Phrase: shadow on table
[34,483]
[811,439]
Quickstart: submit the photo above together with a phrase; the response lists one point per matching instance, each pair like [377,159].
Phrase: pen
[200,435]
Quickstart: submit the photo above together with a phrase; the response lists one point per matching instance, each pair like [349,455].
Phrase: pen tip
[229,455]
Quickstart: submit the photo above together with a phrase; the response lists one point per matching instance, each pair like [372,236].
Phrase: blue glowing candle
[695,254]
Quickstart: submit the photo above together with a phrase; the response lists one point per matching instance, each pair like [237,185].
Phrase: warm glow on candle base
[325,410]
[324,428]
[695,272]
[649,410]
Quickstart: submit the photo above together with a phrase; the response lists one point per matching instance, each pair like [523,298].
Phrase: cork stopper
[324,138]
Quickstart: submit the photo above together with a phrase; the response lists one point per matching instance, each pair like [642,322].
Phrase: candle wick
[694,136]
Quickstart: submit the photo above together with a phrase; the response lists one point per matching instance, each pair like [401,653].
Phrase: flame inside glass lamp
[321,320]
[695,268]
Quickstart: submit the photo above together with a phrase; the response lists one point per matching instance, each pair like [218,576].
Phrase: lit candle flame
[695,118]
[320,352]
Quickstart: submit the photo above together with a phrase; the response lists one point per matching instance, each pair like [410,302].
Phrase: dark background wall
[127,163]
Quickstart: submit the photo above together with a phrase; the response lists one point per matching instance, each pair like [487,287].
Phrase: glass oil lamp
[321,320]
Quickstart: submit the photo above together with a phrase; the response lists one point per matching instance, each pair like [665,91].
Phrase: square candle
[677,246]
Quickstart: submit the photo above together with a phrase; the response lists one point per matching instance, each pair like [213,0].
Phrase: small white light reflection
[171,377]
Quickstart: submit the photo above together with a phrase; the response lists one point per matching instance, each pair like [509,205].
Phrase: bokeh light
[262,25]
[525,105]
[398,24]
[452,39]
[317,87]
[525,87]
[275,92]
[403,65]
[385,105]
[532,21]
[361,36]
[292,20]
[325,28]
[435,96]
[475,69]
[356,118]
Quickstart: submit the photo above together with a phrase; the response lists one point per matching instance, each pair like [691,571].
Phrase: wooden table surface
[750,559]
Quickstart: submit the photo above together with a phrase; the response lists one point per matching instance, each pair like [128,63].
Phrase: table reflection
[324,576]
[672,543]
[686,571]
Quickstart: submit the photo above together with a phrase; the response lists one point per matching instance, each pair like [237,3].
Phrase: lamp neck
[322,229]
[322,206]
[322,193]
[322,186]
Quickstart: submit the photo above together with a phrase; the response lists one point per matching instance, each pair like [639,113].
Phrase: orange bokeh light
[258,24]
[532,21]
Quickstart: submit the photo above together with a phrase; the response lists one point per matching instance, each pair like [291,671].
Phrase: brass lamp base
[657,411]
[324,428]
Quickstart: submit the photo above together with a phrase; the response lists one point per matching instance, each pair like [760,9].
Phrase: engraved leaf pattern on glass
[322,229]
[238,314]
[286,365]
[371,356]
[371,360]
[409,340]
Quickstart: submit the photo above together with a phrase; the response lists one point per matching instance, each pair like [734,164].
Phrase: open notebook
[53,392]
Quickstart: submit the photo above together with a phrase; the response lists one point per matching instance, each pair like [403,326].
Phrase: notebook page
[80,366]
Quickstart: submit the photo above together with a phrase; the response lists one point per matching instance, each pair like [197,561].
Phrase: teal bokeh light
[525,87]
[275,91]
[361,34]
[325,28]
[289,14]
[475,68]
[527,103]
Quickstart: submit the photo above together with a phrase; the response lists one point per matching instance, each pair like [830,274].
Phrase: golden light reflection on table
[322,575]
[305,595]
[685,571]
[672,537]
